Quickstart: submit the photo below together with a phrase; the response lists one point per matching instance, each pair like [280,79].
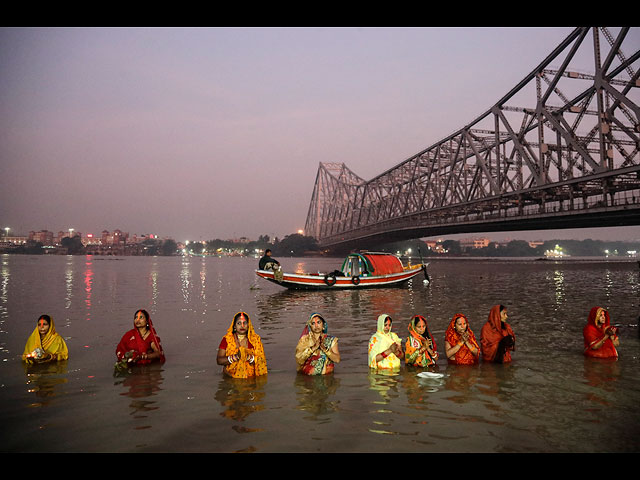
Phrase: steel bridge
[560,150]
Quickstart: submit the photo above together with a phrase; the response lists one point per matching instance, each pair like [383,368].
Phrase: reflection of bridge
[560,150]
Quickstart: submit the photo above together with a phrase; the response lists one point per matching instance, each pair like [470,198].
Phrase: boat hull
[302,281]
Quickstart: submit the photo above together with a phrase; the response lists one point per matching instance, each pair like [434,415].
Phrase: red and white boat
[359,270]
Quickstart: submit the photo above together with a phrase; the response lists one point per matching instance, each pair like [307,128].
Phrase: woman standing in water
[420,348]
[140,345]
[241,352]
[460,343]
[600,338]
[497,337]
[45,344]
[385,350]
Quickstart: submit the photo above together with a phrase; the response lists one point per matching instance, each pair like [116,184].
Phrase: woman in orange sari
[241,352]
[420,348]
[460,343]
[600,338]
[497,337]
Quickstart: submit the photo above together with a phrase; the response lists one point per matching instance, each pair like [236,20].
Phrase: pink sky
[202,133]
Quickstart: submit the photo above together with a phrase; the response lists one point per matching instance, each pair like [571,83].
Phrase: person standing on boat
[600,338]
[45,344]
[497,337]
[241,352]
[385,348]
[420,348]
[267,262]
[316,352]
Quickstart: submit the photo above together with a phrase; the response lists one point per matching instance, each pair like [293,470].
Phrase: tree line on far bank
[298,245]
[517,248]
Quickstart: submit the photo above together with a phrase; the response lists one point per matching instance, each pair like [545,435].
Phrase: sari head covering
[593,334]
[243,368]
[492,334]
[52,343]
[314,363]
[381,341]
[452,337]
[132,341]
[415,342]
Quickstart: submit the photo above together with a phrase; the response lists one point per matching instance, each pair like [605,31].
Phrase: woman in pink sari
[600,338]
[140,345]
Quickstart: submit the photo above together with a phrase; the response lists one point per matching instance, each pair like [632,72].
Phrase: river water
[550,399]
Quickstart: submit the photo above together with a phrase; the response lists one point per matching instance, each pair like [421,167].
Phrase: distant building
[15,240]
[474,243]
[45,237]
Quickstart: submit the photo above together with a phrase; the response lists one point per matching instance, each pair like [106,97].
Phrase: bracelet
[384,355]
[229,359]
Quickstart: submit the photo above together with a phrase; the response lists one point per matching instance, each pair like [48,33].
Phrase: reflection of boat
[359,270]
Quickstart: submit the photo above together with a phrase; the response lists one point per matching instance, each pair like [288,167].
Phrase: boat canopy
[376,263]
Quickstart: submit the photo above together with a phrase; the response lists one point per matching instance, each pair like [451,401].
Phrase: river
[549,399]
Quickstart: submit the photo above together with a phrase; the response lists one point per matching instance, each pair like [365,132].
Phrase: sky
[204,133]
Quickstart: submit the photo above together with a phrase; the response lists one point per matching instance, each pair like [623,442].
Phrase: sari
[592,335]
[452,337]
[316,362]
[133,343]
[52,344]
[380,342]
[244,367]
[415,342]
[492,338]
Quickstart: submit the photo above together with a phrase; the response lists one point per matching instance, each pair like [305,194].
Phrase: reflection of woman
[241,351]
[385,350]
[316,352]
[600,338]
[140,345]
[497,337]
[460,343]
[45,344]
[420,348]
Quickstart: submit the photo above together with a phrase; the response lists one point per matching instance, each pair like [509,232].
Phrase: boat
[359,270]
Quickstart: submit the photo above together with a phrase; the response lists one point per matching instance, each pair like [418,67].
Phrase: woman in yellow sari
[45,344]
[385,348]
[241,352]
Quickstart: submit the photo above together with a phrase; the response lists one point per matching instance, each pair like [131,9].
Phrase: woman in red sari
[460,343]
[140,345]
[600,338]
[497,337]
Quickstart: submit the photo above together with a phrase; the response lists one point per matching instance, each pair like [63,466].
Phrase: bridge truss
[560,150]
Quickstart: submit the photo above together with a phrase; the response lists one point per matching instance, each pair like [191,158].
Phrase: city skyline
[203,133]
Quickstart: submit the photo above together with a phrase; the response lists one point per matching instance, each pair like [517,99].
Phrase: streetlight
[6,229]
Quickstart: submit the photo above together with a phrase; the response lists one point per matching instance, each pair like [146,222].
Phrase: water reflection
[139,383]
[88,284]
[68,275]
[314,392]
[185,280]
[241,397]
[4,299]
[460,381]
[153,284]
[44,380]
